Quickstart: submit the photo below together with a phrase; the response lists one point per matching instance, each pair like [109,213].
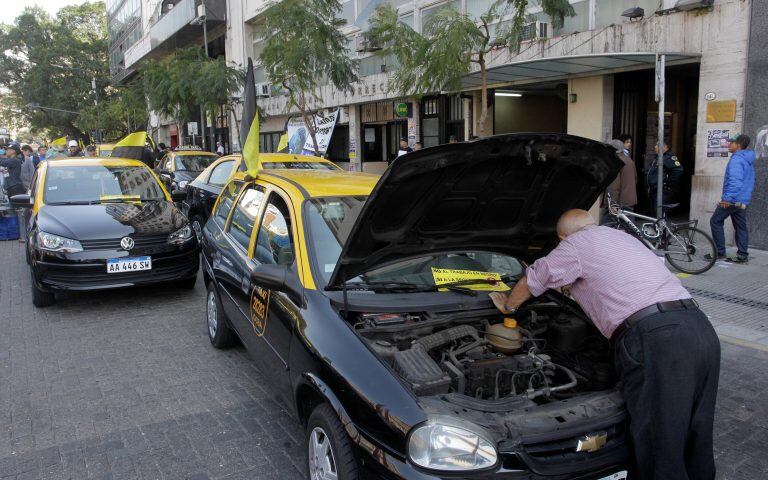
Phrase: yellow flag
[282,145]
[131,146]
[251,149]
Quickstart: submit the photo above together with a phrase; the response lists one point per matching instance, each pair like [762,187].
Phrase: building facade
[593,77]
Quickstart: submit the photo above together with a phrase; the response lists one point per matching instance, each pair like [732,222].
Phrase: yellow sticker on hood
[491,281]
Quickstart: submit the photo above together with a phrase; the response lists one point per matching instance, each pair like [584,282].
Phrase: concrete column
[355,139]
[591,115]
[414,124]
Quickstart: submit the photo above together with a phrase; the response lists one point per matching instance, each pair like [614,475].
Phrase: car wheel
[219,332]
[41,298]
[187,283]
[197,225]
[329,450]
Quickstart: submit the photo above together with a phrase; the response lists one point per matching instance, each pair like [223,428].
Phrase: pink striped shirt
[612,275]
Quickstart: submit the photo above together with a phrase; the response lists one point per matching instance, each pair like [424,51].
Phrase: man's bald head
[572,221]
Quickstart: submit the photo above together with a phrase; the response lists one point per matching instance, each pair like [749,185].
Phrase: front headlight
[183,184]
[55,243]
[180,236]
[450,448]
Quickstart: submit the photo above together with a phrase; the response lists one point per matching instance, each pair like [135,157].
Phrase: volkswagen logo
[126,243]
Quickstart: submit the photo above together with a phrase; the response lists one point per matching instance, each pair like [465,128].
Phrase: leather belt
[660,307]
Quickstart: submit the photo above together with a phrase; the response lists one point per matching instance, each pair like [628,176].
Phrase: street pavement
[125,385]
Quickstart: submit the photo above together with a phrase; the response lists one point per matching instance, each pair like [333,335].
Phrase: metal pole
[660,61]
[205,43]
[96,102]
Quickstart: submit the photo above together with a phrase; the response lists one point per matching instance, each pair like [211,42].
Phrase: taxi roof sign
[188,148]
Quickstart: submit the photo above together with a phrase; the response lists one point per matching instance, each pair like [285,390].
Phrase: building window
[268,142]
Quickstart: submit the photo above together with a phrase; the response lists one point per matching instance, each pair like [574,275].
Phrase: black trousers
[669,364]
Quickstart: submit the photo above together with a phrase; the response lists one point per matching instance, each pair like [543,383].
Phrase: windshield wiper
[74,202]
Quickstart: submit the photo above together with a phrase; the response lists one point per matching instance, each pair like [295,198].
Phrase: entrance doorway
[635,113]
[531,108]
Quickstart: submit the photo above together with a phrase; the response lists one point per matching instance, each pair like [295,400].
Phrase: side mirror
[178,195]
[281,279]
[21,201]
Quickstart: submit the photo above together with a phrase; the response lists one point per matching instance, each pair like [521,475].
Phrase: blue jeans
[739,219]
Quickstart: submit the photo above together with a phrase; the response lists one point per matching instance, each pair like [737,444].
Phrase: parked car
[339,285]
[97,223]
[104,150]
[203,191]
[179,167]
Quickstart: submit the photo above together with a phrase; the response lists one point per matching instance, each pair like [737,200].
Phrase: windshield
[330,220]
[195,163]
[299,165]
[98,183]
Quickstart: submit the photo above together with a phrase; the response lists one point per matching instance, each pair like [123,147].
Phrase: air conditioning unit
[534,30]
[263,89]
[363,44]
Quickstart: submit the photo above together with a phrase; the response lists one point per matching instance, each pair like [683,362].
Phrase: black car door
[218,250]
[208,191]
[271,314]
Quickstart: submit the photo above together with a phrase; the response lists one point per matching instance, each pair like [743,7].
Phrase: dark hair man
[28,166]
[673,174]
[42,152]
[404,148]
[738,184]
[653,324]
[627,141]
[90,151]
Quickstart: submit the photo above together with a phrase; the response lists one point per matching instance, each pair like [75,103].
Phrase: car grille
[559,456]
[114,243]
[95,276]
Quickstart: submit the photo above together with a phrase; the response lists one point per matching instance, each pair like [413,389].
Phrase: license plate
[622,475]
[131,264]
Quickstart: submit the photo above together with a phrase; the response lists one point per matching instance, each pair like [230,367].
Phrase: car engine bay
[542,354]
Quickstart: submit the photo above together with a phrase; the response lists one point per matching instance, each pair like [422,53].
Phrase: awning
[543,69]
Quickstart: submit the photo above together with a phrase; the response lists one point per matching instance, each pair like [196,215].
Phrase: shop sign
[402,110]
[721,111]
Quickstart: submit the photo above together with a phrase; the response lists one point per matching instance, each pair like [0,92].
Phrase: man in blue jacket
[737,192]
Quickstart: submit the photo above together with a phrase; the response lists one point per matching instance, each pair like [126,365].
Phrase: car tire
[41,298]
[197,224]
[187,283]
[329,449]
[219,332]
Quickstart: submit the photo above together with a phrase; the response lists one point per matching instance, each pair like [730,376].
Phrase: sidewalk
[735,297]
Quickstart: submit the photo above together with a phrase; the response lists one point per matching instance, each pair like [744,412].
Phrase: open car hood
[503,193]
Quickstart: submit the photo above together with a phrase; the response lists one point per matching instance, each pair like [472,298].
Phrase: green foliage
[453,44]
[122,111]
[305,49]
[50,62]
[176,85]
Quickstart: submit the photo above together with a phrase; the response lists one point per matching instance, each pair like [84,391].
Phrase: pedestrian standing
[404,148]
[42,152]
[74,149]
[673,175]
[219,149]
[417,146]
[13,184]
[626,139]
[90,151]
[453,139]
[738,184]
[666,352]
[623,189]
[28,166]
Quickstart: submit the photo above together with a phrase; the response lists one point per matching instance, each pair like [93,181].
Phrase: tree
[175,86]
[51,61]
[305,49]
[121,111]
[452,44]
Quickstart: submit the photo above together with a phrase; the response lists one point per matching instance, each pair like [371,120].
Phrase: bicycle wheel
[686,249]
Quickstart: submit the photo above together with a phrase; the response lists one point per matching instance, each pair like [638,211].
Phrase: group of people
[738,184]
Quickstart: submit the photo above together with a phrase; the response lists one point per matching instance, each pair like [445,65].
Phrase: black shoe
[709,257]
[738,259]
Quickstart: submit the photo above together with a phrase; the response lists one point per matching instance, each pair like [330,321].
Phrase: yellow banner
[444,276]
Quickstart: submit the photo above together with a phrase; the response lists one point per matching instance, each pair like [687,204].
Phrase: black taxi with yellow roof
[364,302]
[98,223]
[203,191]
[182,165]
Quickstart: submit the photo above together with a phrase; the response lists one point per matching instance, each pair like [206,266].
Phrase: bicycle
[687,248]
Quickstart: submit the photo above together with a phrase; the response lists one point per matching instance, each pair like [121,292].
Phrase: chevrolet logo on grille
[592,442]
